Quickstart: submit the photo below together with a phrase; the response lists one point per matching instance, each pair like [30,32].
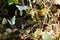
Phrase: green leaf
[12,1]
[16,1]
[36,33]
[21,12]
[47,37]
[4,21]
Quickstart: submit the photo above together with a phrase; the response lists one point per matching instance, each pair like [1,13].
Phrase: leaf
[12,1]
[43,11]
[21,13]
[47,37]
[36,33]
[16,1]
[4,21]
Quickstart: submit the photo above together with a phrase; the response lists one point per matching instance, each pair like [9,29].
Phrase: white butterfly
[22,7]
[12,21]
